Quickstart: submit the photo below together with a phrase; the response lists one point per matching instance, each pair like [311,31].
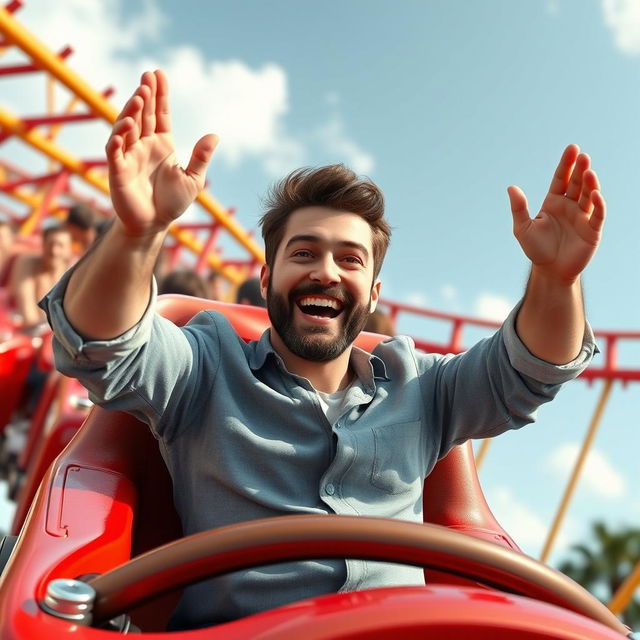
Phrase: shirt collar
[261,349]
[367,366]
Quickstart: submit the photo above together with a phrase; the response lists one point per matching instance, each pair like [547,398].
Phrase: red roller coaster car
[103,516]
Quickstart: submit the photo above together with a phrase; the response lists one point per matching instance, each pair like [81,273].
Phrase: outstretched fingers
[589,185]
[163,113]
[118,136]
[132,132]
[561,177]
[596,220]
[148,94]
[200,158]
[519,208]
[114,152]
[576,183]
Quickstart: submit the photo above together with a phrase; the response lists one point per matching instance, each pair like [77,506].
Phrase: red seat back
[452,493]
[16,356]
[108,494]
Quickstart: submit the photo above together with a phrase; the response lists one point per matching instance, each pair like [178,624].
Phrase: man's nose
[325,271]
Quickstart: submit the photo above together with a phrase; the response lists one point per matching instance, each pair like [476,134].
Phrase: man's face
[320,291]
[81,238]
[56,248]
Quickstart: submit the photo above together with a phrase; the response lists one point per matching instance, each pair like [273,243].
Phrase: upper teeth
[319,302]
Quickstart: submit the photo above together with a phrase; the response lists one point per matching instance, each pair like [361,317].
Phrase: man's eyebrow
[316,239]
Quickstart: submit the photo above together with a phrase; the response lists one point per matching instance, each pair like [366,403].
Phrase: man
[250,292]
[33,275]
[185,282]
[82,223]
[216,286]
[7,235]
[301,421]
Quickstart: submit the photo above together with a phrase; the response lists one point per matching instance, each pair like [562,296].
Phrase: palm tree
[602,565]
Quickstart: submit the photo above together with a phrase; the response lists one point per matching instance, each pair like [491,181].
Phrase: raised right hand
[149,190]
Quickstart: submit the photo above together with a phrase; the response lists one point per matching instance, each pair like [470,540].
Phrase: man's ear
[264,280]
[375,295]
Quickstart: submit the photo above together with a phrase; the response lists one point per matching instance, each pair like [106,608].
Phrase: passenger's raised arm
[110,289]
[560,241]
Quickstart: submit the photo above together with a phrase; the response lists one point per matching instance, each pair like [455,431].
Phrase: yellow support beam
[97,179]
[622,597]
[50,62]
[15,125]
[577,469]
[482,452]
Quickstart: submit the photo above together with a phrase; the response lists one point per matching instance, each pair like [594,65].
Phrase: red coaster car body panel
[106,499]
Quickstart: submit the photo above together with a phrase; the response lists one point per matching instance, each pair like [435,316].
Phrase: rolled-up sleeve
[143,371]
[495,386]
[78,352]
[526,363]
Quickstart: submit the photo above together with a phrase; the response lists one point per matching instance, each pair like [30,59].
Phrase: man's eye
[302,253]
[353,259]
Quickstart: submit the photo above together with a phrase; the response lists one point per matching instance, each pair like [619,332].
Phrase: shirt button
[330,489]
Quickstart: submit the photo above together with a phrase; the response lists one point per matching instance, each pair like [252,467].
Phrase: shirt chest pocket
[398,457]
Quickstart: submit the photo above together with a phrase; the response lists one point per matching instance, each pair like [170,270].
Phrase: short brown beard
[304,346]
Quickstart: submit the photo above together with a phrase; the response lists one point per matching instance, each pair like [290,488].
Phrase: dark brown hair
[53,230]
[185,282]
[83,216]
[334,186]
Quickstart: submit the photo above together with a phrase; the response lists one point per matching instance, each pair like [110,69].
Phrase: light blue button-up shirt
[244,438]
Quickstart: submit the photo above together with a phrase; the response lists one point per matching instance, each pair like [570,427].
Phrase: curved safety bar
[273,540]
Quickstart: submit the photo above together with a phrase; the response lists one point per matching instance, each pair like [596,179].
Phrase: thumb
[519,207]
[201,156]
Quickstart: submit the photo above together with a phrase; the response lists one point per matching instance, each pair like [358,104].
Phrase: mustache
[312,289]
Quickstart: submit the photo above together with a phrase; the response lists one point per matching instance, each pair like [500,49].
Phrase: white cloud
[552,7]
[527,528]
[598,475]
[247,106]
[623,18]
[449,292]
[334,139]
[417,299]
[332,98]
[490,306]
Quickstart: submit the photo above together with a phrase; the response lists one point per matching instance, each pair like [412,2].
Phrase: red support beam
[14,6]
[609,341]
[94,162]
[31,68]
[206,249]
[7,187]
[60,185]
[65,118]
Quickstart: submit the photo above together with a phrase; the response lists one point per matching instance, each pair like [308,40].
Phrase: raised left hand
[561,240]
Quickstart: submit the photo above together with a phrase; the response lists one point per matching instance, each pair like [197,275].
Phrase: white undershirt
[332,403]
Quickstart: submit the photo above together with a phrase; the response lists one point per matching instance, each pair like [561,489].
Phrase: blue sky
[444,104]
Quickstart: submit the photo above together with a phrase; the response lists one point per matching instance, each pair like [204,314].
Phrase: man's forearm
[110,288]
[551,320]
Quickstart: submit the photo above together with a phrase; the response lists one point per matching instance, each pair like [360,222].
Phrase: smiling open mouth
[321,307]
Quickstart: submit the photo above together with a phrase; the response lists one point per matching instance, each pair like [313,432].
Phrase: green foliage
[602,565]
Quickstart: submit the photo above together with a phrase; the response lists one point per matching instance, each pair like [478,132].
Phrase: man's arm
[110,288]
[23,291]
[560,241]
